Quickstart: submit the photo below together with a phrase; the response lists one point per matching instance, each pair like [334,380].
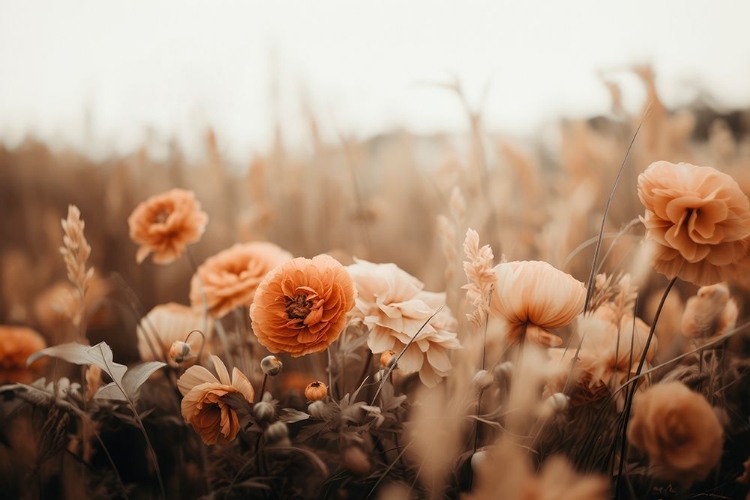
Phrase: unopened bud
[556,403]
[264,411]
[482,380]
[316,391]
[503,372]
[316,409]
[477,459]
[386,357]
[180,351]
[277,434]
[271,365]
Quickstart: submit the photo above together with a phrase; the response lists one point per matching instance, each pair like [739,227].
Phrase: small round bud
[264,411]
[482,380]
[386,357]
[316,391]
[277,434]
[271,365]
[180,351]
[354,459]
[477,459]
[558,402]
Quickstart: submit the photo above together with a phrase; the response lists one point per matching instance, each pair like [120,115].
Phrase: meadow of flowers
[403,317]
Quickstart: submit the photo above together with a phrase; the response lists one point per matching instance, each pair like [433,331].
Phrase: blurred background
[380,130]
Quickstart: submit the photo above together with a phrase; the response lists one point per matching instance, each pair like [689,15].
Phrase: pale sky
[157,68]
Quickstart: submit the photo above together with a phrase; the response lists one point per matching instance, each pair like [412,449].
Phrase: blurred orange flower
[532,297]
[17,343]
[166,224]
[300,307]
[202,403]
[678,430]
[699,219]
[229,278]
[165,324]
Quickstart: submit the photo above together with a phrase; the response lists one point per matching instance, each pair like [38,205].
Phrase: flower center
[298,307]
[161,216]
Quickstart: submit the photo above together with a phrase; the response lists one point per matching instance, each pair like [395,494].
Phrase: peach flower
[711,312]
[699,219]
[532,297]
[300,307]
[164,325]
[17,343]
[392,304]
[229,278]
[166,224]
[678,430]
[202,403]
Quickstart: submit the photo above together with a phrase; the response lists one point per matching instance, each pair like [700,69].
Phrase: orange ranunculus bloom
[300,307]
[166,224]
[678,430]
[532,297]
[202,403]
[17,343]
[699,219]
[229,278]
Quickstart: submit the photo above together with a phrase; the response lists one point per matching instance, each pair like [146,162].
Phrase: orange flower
[229,278]
[699,219]
[17,343]
[202,403]
[678,430]
[166,224]
[532,297]
[164,325]
[300,307]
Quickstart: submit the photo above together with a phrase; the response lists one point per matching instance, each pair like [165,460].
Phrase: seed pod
[316,391]
[271,365]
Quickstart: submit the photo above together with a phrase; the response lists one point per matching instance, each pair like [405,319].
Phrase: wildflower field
[402,317]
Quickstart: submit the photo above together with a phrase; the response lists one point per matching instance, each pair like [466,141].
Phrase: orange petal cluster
[202,403]
[17,343]
[230,278]
[699,219]
[166,224]
[300,307]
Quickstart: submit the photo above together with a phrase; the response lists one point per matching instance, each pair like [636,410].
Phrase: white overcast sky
[159,69]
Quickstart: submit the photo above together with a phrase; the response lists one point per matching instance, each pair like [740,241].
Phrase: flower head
[166,224]
[230,278]
[532,297]
[394,307]
[316,391]
[17,343]
[699,219]
[678,430]
[711,312]
[300,307]
[203,406]
[166,324]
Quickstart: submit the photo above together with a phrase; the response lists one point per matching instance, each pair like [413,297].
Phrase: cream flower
[678,430]
[300,307]
[164,325]
[392,305]
[202,403]
[166,224]
[229,278]
[532,297]
[699,219]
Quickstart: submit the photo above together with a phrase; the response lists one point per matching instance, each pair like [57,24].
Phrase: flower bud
[264,411]
[271,365]
[316,391]
[477,459]
[277,434]
[482,380]
[386,357]
[180,351]
[556,403]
